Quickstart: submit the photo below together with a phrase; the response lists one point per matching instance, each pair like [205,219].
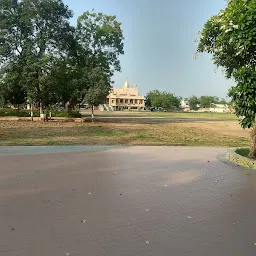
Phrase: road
[125,201]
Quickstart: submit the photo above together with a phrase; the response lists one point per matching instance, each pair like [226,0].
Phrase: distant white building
[220,108]
[184,104]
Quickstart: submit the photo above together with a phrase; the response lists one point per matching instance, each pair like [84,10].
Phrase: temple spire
[126,84]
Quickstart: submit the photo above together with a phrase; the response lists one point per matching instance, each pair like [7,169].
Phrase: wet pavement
[126,201]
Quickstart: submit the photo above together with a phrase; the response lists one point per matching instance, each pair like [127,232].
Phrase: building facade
[184,104]
[125,98]
[221,108]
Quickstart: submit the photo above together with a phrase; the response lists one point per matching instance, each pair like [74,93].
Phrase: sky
[160,42]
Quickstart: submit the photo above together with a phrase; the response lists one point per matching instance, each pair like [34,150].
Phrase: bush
[36,113]
[14,112]
[243,152]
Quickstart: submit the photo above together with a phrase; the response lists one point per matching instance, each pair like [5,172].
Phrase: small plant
[243,152]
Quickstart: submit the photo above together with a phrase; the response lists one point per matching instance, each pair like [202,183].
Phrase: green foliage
[99,43]
[243,152]
[193,103]
[43,59]
[207,101]
[11,88]
[148,101]
[164,99]
[100,36]
[230,37]
[99,88]
[33,34]
[96,95]
[14,112]
[26,113]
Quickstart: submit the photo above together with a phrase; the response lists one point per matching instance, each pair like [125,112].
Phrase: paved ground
[126,201]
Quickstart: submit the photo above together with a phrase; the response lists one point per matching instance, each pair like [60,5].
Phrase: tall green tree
[193,102]
[207,101]
[155,98]
[100,43]
[12,90]
[230,38]
[169,100]
[163,99]
[98,90]
[54,62]
[148,101]
[32,34]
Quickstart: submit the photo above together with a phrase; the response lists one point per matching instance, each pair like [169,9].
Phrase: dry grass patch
[221,134]
[144,114]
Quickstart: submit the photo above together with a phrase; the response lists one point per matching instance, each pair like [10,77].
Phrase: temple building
[125,98]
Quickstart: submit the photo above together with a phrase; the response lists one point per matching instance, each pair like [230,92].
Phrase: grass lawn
[217,134]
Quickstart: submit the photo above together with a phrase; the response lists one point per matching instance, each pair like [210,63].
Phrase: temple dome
[126,85]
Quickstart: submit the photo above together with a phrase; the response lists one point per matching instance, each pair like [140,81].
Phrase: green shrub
[14,112]
[243,152]
[26,113]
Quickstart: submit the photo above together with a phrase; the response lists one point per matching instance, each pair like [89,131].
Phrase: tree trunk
[31,112]
[41,107]
[93,114]
[69,105]
[41,111]
[50,114]
[253,143]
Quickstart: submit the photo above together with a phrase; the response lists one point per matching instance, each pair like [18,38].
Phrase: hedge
[26,113]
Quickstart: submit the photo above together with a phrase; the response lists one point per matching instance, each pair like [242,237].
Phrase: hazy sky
[159,44]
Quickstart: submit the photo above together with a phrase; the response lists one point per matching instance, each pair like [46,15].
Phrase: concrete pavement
[126,201]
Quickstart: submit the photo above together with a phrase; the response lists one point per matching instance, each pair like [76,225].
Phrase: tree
[45,61]
[100,43]
[98,90]
[164,99]
[207,101]
[193,102]
[155,98]
[148,101]
[12,90]
[32,34]
[169,100]
[223,101]
[231,39]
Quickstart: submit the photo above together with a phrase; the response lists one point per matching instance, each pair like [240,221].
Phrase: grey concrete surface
[126,201]
[31,150]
